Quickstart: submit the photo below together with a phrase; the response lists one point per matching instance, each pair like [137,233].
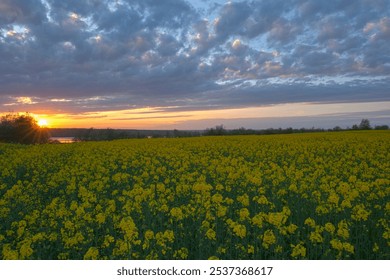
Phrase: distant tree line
[221,130]
[23,129]
[364,125]
[109,134]
[15,128]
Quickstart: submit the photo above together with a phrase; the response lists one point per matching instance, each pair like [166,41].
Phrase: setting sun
[42,122]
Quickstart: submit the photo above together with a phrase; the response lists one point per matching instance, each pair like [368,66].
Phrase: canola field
[301,196]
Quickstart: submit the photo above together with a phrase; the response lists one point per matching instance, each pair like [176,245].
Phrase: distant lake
[63,139]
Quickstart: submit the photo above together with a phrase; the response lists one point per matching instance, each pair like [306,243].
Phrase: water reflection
[63,140]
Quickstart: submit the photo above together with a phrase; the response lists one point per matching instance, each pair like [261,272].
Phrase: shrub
[23,129]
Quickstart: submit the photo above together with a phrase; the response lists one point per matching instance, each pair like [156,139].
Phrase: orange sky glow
[159,118]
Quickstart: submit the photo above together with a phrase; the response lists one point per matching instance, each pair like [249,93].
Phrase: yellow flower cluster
[298,251]
[302,196]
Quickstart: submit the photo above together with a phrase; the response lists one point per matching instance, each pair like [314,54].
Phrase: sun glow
[42,122]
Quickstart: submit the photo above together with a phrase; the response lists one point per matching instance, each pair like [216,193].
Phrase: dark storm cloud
[101,55]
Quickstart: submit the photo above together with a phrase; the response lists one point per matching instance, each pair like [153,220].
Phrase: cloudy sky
[195,64]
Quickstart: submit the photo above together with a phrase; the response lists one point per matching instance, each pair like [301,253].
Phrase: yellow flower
[293,188]
[25,250]
[63,256]
[298,251]
[336,244]
[244,200]
[316,237]
[108,239]
[329,227]
[128,227]
[239,230]
[310,222]
[149,234]
[291,228]
[177,213]
[221,211]
[268,238]
[359,213]
[202,187]
[53,236]
[80,211]
[277,219]
[210,234]
[348,247]
[9,253]
[91,254]
[152,256]
[346,203]
[352,179]
[205,224]
[278,249]
[387,207]
[386,234]
[262,200]
[217,198]
[229,201]
[375,248]
[322,209]
[22,227]
[164,208]
[38,237]
[251,249]
[169,235]
[343,230]
[74,240]
[333,198]
[182,253]
[101,218]
[221,250]
[121,248]
[257,220]
[244,214]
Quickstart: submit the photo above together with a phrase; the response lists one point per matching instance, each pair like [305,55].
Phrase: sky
[175,64]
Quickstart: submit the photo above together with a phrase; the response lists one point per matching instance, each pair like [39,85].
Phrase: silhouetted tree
[365,124]
[218,130]
[337,128]
[23,129]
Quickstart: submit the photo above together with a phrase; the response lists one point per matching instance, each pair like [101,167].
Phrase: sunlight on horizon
[42,123]
[172,117]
